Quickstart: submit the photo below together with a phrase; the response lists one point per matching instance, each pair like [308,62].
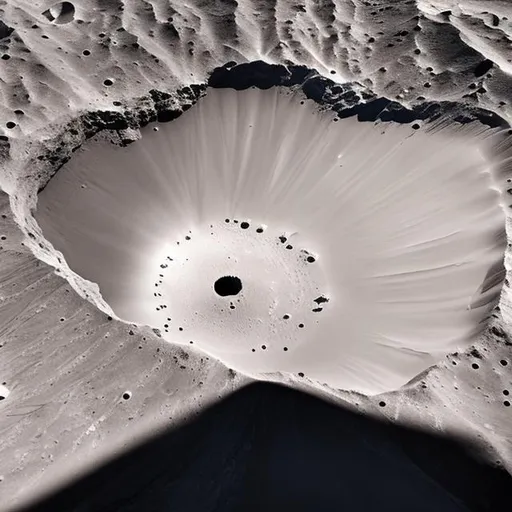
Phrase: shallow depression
[363,252]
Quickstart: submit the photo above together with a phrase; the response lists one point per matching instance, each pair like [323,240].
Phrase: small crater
[127,395]
[61,13]
[227,286]
[497,332]
[4,392]
[475,353]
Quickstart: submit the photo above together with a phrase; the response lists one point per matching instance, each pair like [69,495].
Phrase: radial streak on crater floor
[404,226]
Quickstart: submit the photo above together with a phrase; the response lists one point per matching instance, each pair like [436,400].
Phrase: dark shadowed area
[344,99]
[270,448]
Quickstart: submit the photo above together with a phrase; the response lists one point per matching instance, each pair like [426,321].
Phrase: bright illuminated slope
[370,252]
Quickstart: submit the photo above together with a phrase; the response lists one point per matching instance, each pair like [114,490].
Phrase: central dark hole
[227,285]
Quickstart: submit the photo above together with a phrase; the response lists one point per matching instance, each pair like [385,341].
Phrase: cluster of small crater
[306,255]
[506,403]
[244,225]
[230,286]
[478,353]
